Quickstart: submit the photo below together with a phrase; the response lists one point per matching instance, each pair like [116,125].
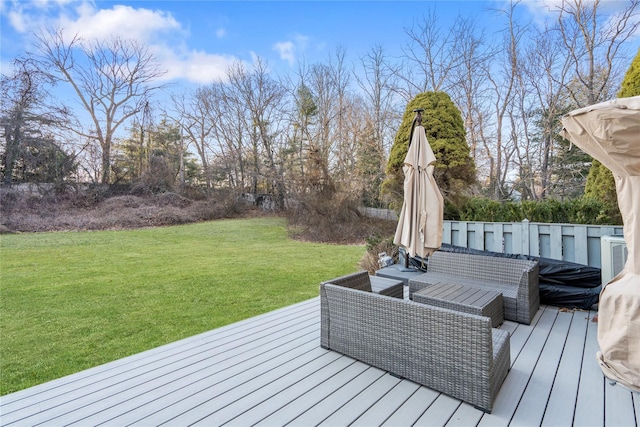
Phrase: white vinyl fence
[568,242]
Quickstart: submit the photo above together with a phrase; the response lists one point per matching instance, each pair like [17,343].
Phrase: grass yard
[73,300]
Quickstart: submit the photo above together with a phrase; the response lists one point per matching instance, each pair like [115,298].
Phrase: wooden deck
[270,370]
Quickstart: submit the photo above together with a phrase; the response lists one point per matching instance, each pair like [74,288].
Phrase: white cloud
[158,30]
[541,10]
[286,50]
[301,41]
[18,21]
[142,25]
[194,66]
[289,50]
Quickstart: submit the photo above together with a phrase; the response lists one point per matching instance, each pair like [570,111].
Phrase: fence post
[526,237]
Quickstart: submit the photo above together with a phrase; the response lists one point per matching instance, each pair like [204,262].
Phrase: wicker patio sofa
[456,353]
[516,279]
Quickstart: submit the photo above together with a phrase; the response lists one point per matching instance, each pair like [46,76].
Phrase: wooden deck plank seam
[117,392]
[397,397]
[535,364]
[309,399]
[398,408]
[591,392]
[209,386]
[350,411]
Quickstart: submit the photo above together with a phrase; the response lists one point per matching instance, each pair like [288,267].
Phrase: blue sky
[197,40]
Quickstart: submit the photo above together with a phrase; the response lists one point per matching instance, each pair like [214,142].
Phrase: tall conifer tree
[455,169]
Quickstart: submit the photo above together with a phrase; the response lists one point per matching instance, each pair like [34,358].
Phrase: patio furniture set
[444,336]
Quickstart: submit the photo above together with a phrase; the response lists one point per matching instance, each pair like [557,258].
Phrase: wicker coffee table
[464,298]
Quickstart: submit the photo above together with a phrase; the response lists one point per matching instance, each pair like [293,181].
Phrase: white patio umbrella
[610,133]
[420,222]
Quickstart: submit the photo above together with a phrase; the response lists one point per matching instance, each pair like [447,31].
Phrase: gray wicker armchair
[456,353]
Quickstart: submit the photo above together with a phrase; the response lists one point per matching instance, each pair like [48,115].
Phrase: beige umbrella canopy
[610,133]
[420,222]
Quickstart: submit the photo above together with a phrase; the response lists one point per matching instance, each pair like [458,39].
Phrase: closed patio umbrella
[610,133]
[420,221]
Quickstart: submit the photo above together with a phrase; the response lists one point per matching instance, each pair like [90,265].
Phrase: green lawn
[70,301]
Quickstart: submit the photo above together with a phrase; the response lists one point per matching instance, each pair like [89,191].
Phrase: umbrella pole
[417,121]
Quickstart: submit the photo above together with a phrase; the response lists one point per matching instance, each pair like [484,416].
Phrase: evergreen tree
[600,182]
[454,169]
[631,83]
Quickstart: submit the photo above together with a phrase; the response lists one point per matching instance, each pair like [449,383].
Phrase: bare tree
[431,55]
[340,77]
[467,88]
[502,82]
[112,80]
[378,85]
[321,132]
[195,115]
[262,96]
[594,43]
[545,69]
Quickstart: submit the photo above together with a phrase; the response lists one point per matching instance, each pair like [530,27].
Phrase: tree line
[325,128]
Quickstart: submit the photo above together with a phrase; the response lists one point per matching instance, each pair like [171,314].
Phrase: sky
[196,40]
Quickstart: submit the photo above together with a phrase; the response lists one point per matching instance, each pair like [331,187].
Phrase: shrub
[376,243]
[584,210]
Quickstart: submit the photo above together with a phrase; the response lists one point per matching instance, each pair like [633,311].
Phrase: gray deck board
[270,371]
[618,406]
[531,408]
[116,384]
[589,408]
[562,400]
[364,400]
[440,412]
[521,368]
[324,408]
[389,404]
[465,415]
[309,398]
[413,408]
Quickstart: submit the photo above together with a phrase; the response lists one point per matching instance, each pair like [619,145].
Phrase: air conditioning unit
[614,254]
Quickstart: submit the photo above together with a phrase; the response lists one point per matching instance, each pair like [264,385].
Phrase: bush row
[584,210]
